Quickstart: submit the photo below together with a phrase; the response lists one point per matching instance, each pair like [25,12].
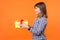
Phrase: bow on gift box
[21,21]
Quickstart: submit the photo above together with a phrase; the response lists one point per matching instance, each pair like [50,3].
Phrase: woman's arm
[38,27]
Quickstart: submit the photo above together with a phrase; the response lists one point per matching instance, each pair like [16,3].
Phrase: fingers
[24,26]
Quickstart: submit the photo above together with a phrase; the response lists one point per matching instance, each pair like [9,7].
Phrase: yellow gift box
[17,23]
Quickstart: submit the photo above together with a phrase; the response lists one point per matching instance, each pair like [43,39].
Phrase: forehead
[37,8]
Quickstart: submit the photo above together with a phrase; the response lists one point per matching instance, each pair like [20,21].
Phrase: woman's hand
[25,26]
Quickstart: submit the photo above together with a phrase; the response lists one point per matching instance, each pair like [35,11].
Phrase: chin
[36,13]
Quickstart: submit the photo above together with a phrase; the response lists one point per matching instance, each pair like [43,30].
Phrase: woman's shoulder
[43,19]
[40,19]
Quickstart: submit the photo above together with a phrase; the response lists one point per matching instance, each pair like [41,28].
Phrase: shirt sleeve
[38,27]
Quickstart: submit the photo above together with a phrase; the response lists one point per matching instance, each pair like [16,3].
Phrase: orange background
[12,10]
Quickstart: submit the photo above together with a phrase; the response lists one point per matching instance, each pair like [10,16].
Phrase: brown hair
[42,7]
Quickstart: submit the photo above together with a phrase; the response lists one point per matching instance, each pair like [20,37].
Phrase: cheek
[37,10]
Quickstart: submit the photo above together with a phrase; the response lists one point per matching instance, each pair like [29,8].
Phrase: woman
[39,23]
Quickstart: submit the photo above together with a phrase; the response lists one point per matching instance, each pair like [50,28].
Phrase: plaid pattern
[38,28]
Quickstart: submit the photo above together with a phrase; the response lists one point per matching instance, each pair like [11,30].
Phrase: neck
[39,15]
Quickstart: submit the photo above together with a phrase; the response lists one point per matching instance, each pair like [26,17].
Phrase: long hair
[42,7]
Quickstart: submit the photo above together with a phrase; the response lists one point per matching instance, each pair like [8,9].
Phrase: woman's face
[37,10]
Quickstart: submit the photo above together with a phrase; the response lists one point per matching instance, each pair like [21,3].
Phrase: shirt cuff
[29,28]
